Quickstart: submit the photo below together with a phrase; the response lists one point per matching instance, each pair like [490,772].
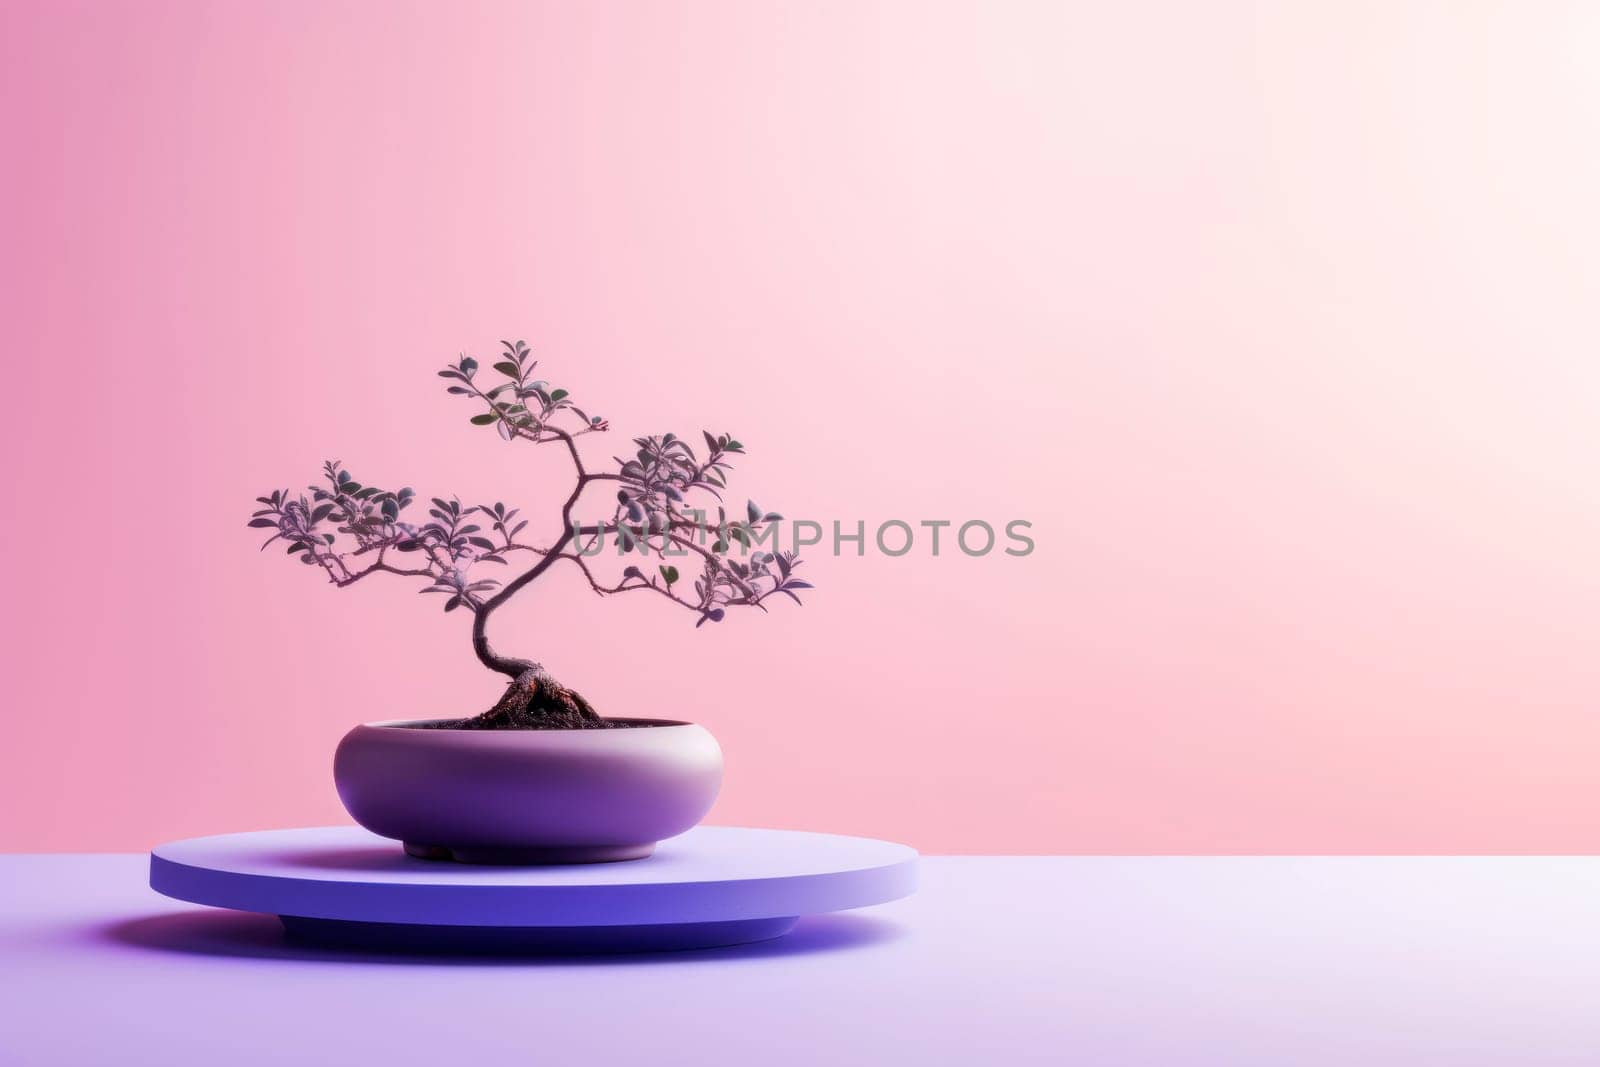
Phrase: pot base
[529,857]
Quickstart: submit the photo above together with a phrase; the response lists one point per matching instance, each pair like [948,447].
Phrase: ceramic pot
[529,796]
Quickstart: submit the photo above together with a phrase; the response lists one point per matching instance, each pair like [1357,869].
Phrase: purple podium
[715,885]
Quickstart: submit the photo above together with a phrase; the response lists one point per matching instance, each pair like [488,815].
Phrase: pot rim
[412,724]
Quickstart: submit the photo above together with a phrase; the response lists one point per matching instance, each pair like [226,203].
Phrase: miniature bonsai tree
[351,530]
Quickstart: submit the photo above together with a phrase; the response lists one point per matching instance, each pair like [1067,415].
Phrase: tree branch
[624,587]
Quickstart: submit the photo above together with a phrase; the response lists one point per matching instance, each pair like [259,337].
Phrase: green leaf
[485,419]
[670,574]
[510,370]
[558,395]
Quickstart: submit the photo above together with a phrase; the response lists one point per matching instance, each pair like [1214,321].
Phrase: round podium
[715,885]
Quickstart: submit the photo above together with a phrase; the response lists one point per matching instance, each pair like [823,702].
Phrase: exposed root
[536,701]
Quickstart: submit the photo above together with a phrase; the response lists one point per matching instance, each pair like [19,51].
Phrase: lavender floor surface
[996,960]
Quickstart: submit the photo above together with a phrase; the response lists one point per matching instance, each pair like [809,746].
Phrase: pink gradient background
[1279,323]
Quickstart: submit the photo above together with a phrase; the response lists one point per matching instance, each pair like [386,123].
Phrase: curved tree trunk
[534,699]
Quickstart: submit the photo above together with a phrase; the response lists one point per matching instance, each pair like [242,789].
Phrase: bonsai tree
[351,530]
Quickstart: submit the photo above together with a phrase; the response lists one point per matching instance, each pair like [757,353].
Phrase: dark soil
[476,723]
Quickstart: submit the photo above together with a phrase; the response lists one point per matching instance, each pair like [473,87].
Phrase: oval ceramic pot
[529,796]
